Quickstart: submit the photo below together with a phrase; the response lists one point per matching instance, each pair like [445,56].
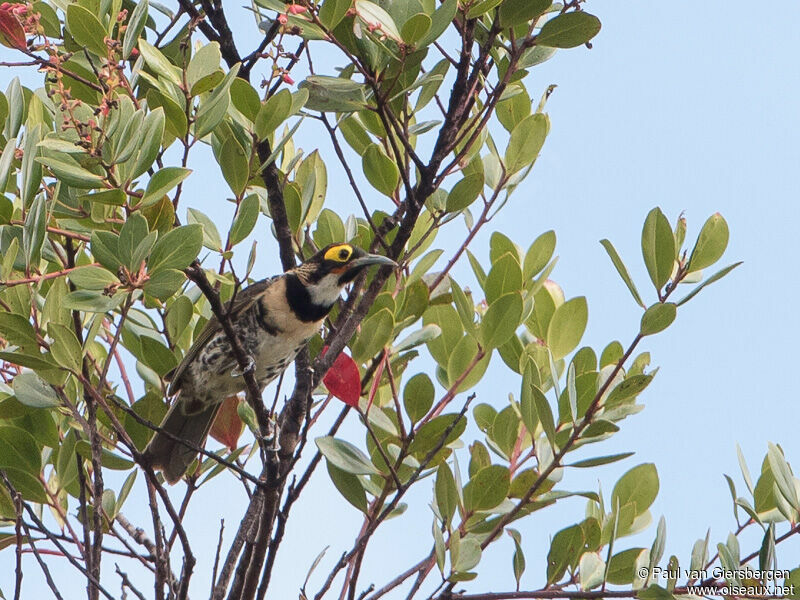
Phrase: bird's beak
[370,259]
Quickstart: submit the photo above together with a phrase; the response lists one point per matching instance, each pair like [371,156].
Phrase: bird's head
[324,275]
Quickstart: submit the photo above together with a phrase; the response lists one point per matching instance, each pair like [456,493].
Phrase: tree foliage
[108,272]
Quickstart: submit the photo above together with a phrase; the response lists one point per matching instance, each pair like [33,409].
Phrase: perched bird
[273,319]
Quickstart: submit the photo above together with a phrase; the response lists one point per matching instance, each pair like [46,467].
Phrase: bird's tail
[170,455]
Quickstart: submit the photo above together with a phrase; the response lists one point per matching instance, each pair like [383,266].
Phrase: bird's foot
[275,445]
[249,368]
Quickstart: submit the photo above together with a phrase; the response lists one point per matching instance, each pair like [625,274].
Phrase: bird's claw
[249,368]
[275,446]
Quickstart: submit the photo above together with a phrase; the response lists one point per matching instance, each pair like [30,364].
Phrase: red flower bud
[296,9]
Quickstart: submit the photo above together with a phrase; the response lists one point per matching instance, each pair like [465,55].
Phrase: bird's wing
[241,302]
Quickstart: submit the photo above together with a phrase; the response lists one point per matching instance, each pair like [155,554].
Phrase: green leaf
[783,475]
[245,99]
[446,492]
[711,243]
[131,236]
[516,12]
[105,249]
[162,182]
[657,318]
[622,270]
[639,486]
[29,486]
[70,173]
[349,486]
[235,165]
[66,349]
[157,356]
[715,277]
[525,142]
[333,11]
[600,460]
[164,284]
[515,105]
[330,229]
[418,396]
[469,555]
[333,94]
[18,331]
[628,388]
[34,231]
[108,459]
[658,247]
[86,29]
[375,17]
[376,332]
[430,435]
[125,490]
[565,551]
[245,220]
[299,99]
[440,21]
[176,122]
[90,301]
[567,326]
[544,414]
[178,316]
[568,30]
[345,456]
[504,278]
[487,489]
[211,238]
[176,249]
[129,138]
[112,197]
[380,170]
[160,64]
[6,160]
[213,109]
[481,7]
[621,566]
[591,569]
[136,24]
[539,254]
[31,390]
[272,113]
[464,193]
[464,354]
[501,320]
[31,170]
[203,72]
[416,28]
[152,132]
[91,277]
[355,134]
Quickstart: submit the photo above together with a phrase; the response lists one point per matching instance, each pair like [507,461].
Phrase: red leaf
[11,33]
[343,379]
[228,426]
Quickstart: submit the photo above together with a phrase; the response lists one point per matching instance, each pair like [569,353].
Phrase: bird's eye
[340,253]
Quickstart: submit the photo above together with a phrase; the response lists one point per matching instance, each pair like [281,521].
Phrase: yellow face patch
[340,253]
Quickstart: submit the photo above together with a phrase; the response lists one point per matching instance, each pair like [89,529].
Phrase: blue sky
[687,106]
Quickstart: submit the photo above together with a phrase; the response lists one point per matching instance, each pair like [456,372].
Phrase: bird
[273,319]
